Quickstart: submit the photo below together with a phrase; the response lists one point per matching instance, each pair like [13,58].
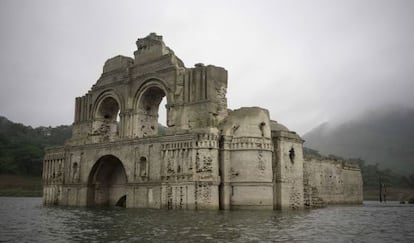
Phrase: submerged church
[208,157]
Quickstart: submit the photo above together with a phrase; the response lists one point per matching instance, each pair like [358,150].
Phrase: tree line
[22,150]
[22,147]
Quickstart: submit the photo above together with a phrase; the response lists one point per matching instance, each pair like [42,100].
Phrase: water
[26,220]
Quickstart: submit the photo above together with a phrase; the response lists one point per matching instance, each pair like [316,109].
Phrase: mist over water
[25,219]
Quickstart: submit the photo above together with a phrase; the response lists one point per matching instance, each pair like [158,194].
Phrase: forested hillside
[383,137]
[22,150]
[22,147]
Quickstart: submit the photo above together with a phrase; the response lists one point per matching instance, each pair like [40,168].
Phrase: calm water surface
[26,220]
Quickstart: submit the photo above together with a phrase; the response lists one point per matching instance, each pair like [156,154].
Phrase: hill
[383,136]
[22,147]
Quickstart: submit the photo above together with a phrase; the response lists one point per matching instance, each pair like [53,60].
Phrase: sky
[307,62]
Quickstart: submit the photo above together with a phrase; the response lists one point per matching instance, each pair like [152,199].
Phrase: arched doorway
[148,111]
[107,182]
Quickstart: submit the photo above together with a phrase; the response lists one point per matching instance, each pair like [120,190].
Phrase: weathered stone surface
[336,182]
[207,158]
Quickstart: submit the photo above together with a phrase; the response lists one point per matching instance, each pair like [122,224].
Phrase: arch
[109,93]
[106,110]
[121,202]
[143,171]
[146,105]
[106,181]
[148,83]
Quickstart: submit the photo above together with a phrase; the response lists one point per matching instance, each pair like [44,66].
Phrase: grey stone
[208,157]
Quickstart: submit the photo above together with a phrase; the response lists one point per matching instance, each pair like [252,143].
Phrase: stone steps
[312,200]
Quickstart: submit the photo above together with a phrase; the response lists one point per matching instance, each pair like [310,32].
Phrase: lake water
[26,220]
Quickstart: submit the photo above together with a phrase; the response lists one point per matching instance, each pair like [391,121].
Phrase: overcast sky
[308,62]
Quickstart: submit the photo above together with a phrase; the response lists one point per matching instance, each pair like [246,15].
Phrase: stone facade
[208,157]
[331,181]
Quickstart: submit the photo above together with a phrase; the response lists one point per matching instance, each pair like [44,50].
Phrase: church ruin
[208,157]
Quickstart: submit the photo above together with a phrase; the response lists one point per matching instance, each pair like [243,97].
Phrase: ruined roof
[117,62]
[151,56]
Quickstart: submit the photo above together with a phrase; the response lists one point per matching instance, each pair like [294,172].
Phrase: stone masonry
[208,157]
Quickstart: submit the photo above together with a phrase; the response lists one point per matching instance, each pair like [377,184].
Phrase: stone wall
[246,160]
[288,172]
[173,172]
[333,181]
[53,175]
[208,157]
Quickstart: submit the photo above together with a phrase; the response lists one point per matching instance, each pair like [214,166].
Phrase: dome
[275,126]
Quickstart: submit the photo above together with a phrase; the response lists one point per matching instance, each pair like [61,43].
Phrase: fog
[307,62]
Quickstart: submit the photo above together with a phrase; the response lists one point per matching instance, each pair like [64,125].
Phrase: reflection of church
[207,157]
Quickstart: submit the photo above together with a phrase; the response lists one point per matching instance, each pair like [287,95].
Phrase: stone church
[208,157]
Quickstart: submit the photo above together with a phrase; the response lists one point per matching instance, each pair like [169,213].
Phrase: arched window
[143,166]
[151,107]
[107,119]
[109,109]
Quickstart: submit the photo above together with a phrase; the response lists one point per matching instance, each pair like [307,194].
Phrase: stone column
[225,186]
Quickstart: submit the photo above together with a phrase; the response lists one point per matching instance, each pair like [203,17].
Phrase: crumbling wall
[288,170]
[53,175]
[190,173]
[207,157]
[175,172]
[124,102]
[333,181]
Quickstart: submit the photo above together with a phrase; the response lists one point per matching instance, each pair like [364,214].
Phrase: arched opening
[109,109]
[107,182]
[107,119]
[143,167]
[74,172]
[162,112]
[121,202]
[151,104]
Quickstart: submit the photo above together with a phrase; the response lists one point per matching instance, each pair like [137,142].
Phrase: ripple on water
[25,219]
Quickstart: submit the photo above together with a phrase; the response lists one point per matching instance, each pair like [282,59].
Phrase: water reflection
[24,219]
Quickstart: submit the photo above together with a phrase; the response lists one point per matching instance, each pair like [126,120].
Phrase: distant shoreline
[31,186]
[393,194]
[20,186]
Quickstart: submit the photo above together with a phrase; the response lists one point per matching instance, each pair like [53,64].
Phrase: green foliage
[372,175]
[22,147]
